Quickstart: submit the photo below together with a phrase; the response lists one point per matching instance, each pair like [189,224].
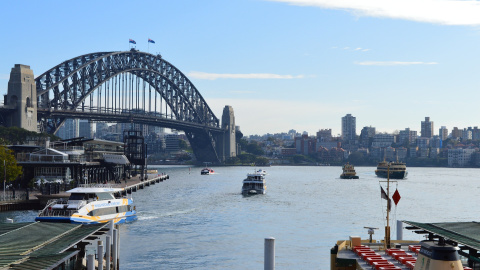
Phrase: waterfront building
[426,128]
[383,140]
[423,142]
[288,152]
[423,152]
[324,135]
[365,135]
[377,153]
[349,128]
[171,142]
[443,133]
[390,153]
[402,153]
[412,151]
[305,145]
[407,136]
[460,157]
[434,152]
[436,142]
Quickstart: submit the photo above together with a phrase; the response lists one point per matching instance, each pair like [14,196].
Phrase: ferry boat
[89,205]
[348,172]
[254,183]
[393,170]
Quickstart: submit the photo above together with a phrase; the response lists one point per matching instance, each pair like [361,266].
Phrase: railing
[14,195]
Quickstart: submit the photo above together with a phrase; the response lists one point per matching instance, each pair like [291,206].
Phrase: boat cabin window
[78,197]
[105,196]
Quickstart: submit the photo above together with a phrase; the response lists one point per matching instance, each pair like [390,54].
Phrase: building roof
[462,233]
[40,245]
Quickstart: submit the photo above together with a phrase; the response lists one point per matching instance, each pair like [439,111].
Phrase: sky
[281,64]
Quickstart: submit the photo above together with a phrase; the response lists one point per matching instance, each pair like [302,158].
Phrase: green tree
[12,169]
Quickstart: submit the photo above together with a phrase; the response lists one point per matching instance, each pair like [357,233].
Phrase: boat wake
[149,216]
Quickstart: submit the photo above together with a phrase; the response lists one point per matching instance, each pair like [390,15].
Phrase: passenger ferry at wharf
[448,246]
[255,183]
[90,204]
[393,170]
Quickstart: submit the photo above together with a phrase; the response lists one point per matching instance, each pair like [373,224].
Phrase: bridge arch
[68,91]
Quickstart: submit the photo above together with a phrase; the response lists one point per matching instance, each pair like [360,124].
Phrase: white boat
[207,171]
[254,183]
[89,205]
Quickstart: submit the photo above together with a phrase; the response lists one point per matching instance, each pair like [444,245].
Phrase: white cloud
[214,76]
[358,49]
[447,12]
[393,63]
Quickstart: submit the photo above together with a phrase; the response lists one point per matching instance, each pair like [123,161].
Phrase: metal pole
[399,230]
[100,255]
[114,249]
[90,262]
[108,251]
[269,261]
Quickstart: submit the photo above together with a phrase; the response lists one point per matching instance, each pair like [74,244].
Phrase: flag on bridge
[151,41]
[132,41]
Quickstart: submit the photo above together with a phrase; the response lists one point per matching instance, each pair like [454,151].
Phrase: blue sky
[286,64]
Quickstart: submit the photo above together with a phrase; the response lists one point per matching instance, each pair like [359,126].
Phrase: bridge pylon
[226,142]
[21,98]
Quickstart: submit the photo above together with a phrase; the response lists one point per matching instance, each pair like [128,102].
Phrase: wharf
[37,201]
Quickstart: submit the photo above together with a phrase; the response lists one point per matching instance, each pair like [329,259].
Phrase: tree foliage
[12,169]
[16,135]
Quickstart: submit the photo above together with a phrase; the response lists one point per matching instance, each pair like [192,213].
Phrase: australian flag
[151,41]
[132,41]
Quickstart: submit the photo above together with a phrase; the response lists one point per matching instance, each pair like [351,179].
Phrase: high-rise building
[85,129]
[349,125]
[456,133]
[443,133]
[365,135]
[70,129]
[407,135]
[427,128]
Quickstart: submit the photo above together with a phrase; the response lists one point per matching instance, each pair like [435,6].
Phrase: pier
[38,245]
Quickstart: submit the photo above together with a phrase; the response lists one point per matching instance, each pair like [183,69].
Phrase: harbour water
[192,221]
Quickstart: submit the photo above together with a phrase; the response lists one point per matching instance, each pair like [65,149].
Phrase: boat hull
[254,191]
[393,174]
[129,217]
[342,176]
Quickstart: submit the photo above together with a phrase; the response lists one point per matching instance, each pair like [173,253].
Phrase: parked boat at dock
[348,172]
[90,204]
[393,170]
[255,183]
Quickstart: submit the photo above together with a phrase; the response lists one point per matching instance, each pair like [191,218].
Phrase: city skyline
[281,64]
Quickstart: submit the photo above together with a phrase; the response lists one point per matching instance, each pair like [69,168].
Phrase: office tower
[349,127]
[427,128]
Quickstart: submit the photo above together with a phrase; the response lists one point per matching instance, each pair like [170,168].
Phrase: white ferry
[89,205]
[254,183]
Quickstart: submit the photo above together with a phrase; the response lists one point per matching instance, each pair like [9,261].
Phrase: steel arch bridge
[129,87]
